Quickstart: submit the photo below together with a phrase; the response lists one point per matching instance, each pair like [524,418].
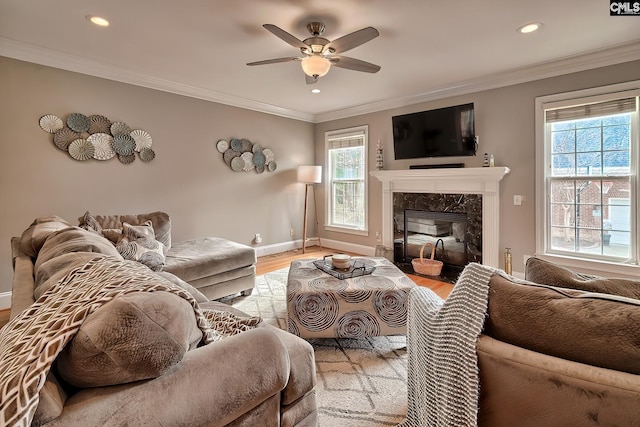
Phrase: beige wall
[504,120]
[188,179]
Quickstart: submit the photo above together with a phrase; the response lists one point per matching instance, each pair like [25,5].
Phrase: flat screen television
[444,132]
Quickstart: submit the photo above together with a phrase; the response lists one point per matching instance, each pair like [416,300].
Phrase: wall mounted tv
[444,132]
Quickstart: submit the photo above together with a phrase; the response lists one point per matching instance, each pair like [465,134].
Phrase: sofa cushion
[207,256]
[160,221]
[548,273]
[133,337]
[138,243]
[65,250]
[34,237]
[592,328]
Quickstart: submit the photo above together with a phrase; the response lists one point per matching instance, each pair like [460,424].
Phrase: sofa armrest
[212,386]
[23,284]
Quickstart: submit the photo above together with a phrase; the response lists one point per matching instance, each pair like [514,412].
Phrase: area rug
[360,382]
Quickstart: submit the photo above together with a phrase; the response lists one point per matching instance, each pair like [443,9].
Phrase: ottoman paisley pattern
[322,306]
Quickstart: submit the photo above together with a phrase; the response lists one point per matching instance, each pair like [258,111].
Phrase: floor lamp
[309,175]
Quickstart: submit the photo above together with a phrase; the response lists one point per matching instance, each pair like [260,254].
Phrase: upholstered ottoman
[322,306]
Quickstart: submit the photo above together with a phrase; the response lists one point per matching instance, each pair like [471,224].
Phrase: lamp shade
[315,65]
[310,174]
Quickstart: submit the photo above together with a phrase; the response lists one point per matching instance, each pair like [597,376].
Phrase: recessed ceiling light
[99,21]
[315,90]
[530,28]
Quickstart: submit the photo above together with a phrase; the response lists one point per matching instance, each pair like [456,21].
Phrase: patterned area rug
[361,382]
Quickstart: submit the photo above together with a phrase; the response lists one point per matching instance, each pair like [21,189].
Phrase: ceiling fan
[319,53]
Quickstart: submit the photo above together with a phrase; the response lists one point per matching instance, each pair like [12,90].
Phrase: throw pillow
[138,243]
[131,338]
[88,222]
[548,273]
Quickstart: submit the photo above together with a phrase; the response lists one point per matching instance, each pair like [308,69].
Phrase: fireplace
[481,197]
[446,232]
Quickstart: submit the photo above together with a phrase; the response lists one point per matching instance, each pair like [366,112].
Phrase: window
[587,196]
[347,180]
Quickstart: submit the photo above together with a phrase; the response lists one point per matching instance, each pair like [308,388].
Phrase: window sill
[594,267]
[346,230]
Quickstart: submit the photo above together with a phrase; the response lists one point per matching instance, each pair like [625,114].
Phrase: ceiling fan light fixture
[315,65]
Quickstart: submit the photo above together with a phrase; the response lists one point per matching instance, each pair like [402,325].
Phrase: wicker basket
[429,267]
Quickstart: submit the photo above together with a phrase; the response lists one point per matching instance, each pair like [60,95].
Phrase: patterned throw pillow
[138,243]
[88,222]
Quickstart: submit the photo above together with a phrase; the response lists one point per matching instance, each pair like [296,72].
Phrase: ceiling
[427,49]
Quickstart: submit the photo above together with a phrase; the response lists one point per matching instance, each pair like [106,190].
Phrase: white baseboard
[277,248]
[348,247]
[5,300]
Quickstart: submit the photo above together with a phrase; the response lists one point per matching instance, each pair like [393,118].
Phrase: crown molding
[595,59]
[30,53]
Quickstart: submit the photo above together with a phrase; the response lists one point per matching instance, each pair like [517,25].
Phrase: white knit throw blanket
[30,342]
[443,381]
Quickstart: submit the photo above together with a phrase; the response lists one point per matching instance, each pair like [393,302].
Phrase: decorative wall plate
[78,122]
[63,137]
[236,145]
[268,154]
[237,164]
[259,169]
[272,166]
[256,148]
[142,139]
[81,149]
[147,154]
[126,159]
[259,158]
[229,155]
[222,145]
[123,144]
[247,157]
[50,123]
[246,145]
[103,146]
[119,127]
[99,124]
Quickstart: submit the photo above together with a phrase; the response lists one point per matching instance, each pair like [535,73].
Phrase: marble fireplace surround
[484,181]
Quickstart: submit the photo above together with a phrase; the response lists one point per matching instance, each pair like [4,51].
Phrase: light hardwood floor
[275,262]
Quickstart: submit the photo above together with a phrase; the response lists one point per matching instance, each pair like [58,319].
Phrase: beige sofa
[139,359]
[560,349]
[215,266]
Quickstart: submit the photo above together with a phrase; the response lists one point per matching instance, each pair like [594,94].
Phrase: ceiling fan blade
[274,61]
[354,64]
[282,34]
[352,40]
[310,79]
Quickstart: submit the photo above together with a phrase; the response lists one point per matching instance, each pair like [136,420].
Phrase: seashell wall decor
[96,137]
[242,155]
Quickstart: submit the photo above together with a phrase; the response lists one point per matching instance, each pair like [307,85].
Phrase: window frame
[328,137]
[543,174]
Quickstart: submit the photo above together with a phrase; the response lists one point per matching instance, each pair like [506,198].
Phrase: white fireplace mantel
[484,181]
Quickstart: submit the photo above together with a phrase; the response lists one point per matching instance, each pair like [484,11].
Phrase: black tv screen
[443,132]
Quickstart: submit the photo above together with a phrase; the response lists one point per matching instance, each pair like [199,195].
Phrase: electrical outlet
[517,200]
[257,238]
[291,232]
